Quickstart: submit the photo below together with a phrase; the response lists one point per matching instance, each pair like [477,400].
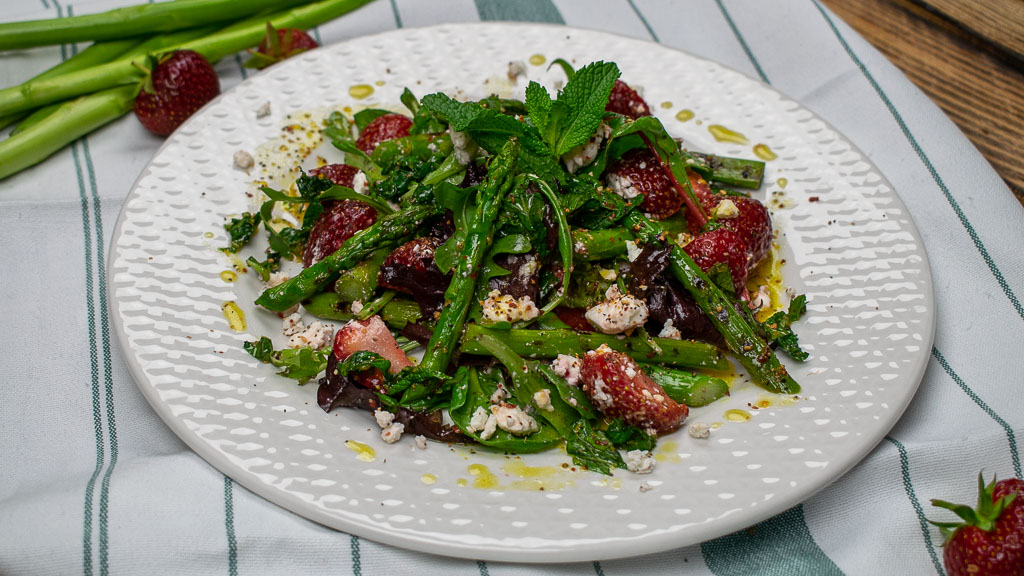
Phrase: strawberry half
[177,84]
[382,128]
[990,540]
[754,226]
[721,245]
[340,174]
[371,335]
[620,389]
[624,100]
[279,45]
[639,172]
[339,222]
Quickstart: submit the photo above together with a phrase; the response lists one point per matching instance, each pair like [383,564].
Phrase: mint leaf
[538,104]
[458,114]
[585,97]
[302,364]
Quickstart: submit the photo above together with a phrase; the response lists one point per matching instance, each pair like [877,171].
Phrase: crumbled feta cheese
[356,307]
[244,160]
[639,461]
[601,398]
[618,313]
[392,433]
[608,274]
[359,183]
[585,153]
[264,110]
[645,487]
[383,417]
[499,395]
[699,430]
[503,308]
[631,372]
[513,420]
[490,427]
[579,247]
[317,335]
[683,238]
[478,420]
[726,209]
[530,267]
[516,68]
[622,186]
[421,442]
[567,367]
[761,299]
[670,331]
[632,250]
[293,324]
[464,147]
[542,398]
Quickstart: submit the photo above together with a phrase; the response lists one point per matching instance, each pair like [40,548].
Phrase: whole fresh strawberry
[990,540]
[624,100]
[640,172]
[178,84]
[279,45]
[619,388]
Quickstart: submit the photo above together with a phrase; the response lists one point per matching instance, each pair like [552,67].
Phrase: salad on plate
[565,272]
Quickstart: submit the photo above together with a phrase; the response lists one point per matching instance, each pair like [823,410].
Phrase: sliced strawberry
[721,245]
[754,226]
[382,128]
[179,84]
[411,269]
[624,100]
[338,223]
[620,389]
[639,171]
[371,335]
[340,174]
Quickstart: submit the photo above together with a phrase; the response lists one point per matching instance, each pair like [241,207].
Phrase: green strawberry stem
[67,123]
[983,517]
[131,21]
[36,93]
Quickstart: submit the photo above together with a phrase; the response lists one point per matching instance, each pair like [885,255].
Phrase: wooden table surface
[968,56]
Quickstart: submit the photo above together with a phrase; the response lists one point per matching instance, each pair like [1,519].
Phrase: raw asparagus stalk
[396,313]
[739,172]
[131,21]
[742,339]
[690,388]
[386,232]
[34,94]
[551,343]
[599,244]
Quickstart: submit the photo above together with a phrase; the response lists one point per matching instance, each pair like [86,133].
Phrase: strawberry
[411,269]
[721,245]
[381,128]
[278,45]
[371,335]
[338,223]
[753,224]
[640,172]
[340,174]
[620,389]
[990,540]
[177,84]
[624,100]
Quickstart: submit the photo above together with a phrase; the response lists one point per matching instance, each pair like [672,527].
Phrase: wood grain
[978,82]
[998,21]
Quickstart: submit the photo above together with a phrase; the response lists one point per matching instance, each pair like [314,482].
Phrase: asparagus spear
[753,352]
[459,294]
[36,93]
[386,232]
[600,244]
[689,388]
[739,172]
[132,21]
[551,343]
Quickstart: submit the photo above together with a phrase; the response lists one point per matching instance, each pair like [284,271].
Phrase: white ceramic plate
[847,239]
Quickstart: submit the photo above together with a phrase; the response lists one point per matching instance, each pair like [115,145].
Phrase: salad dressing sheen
[234,316]
[723,134]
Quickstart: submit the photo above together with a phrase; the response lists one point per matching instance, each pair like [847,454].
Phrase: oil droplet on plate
[363,452]
[667,452]
[360,91]
[684,115]
[208,235]
[735,415]
[428,479]
[234,315]
[482,476]
[782,182]
[378,83]
[538,59]
[666,105]
[228,276]
[723,134]
[461,482]
[765,153]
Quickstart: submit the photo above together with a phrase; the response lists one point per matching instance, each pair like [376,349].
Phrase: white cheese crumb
[264,110]
[645,487]
[631,372]
[608,274]
[513,420]
[530,267]
[683,238]
[244,160]
[585,153]
[760,300]
[357,307]
[500,307]
[293,324]
[567,367]
[490,427]
[359,183]
[617,314]
[478,420]
[317,335]
[632,250]
[542,398]
[639,461]
[579,247]
[601,398]
[725,209]
[622,186]
[421,442]
[499,395]
[516,68]
[699,430]
[670,331]
[392,433]
[383,417]
[464,147]
[276,279]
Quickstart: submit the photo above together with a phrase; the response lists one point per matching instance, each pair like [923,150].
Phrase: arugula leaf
[358,159]
[591,449]
[345,193]
[584,99]
[338,127]
[240,231]
[363,360]
[302,364]
[778,329]
[458,200]
[628,437]
[364,117]
[271,264]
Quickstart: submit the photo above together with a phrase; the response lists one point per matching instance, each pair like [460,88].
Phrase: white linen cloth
[93,482]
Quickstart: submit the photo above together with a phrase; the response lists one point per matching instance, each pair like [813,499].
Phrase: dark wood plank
[972,80]
[998,21]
